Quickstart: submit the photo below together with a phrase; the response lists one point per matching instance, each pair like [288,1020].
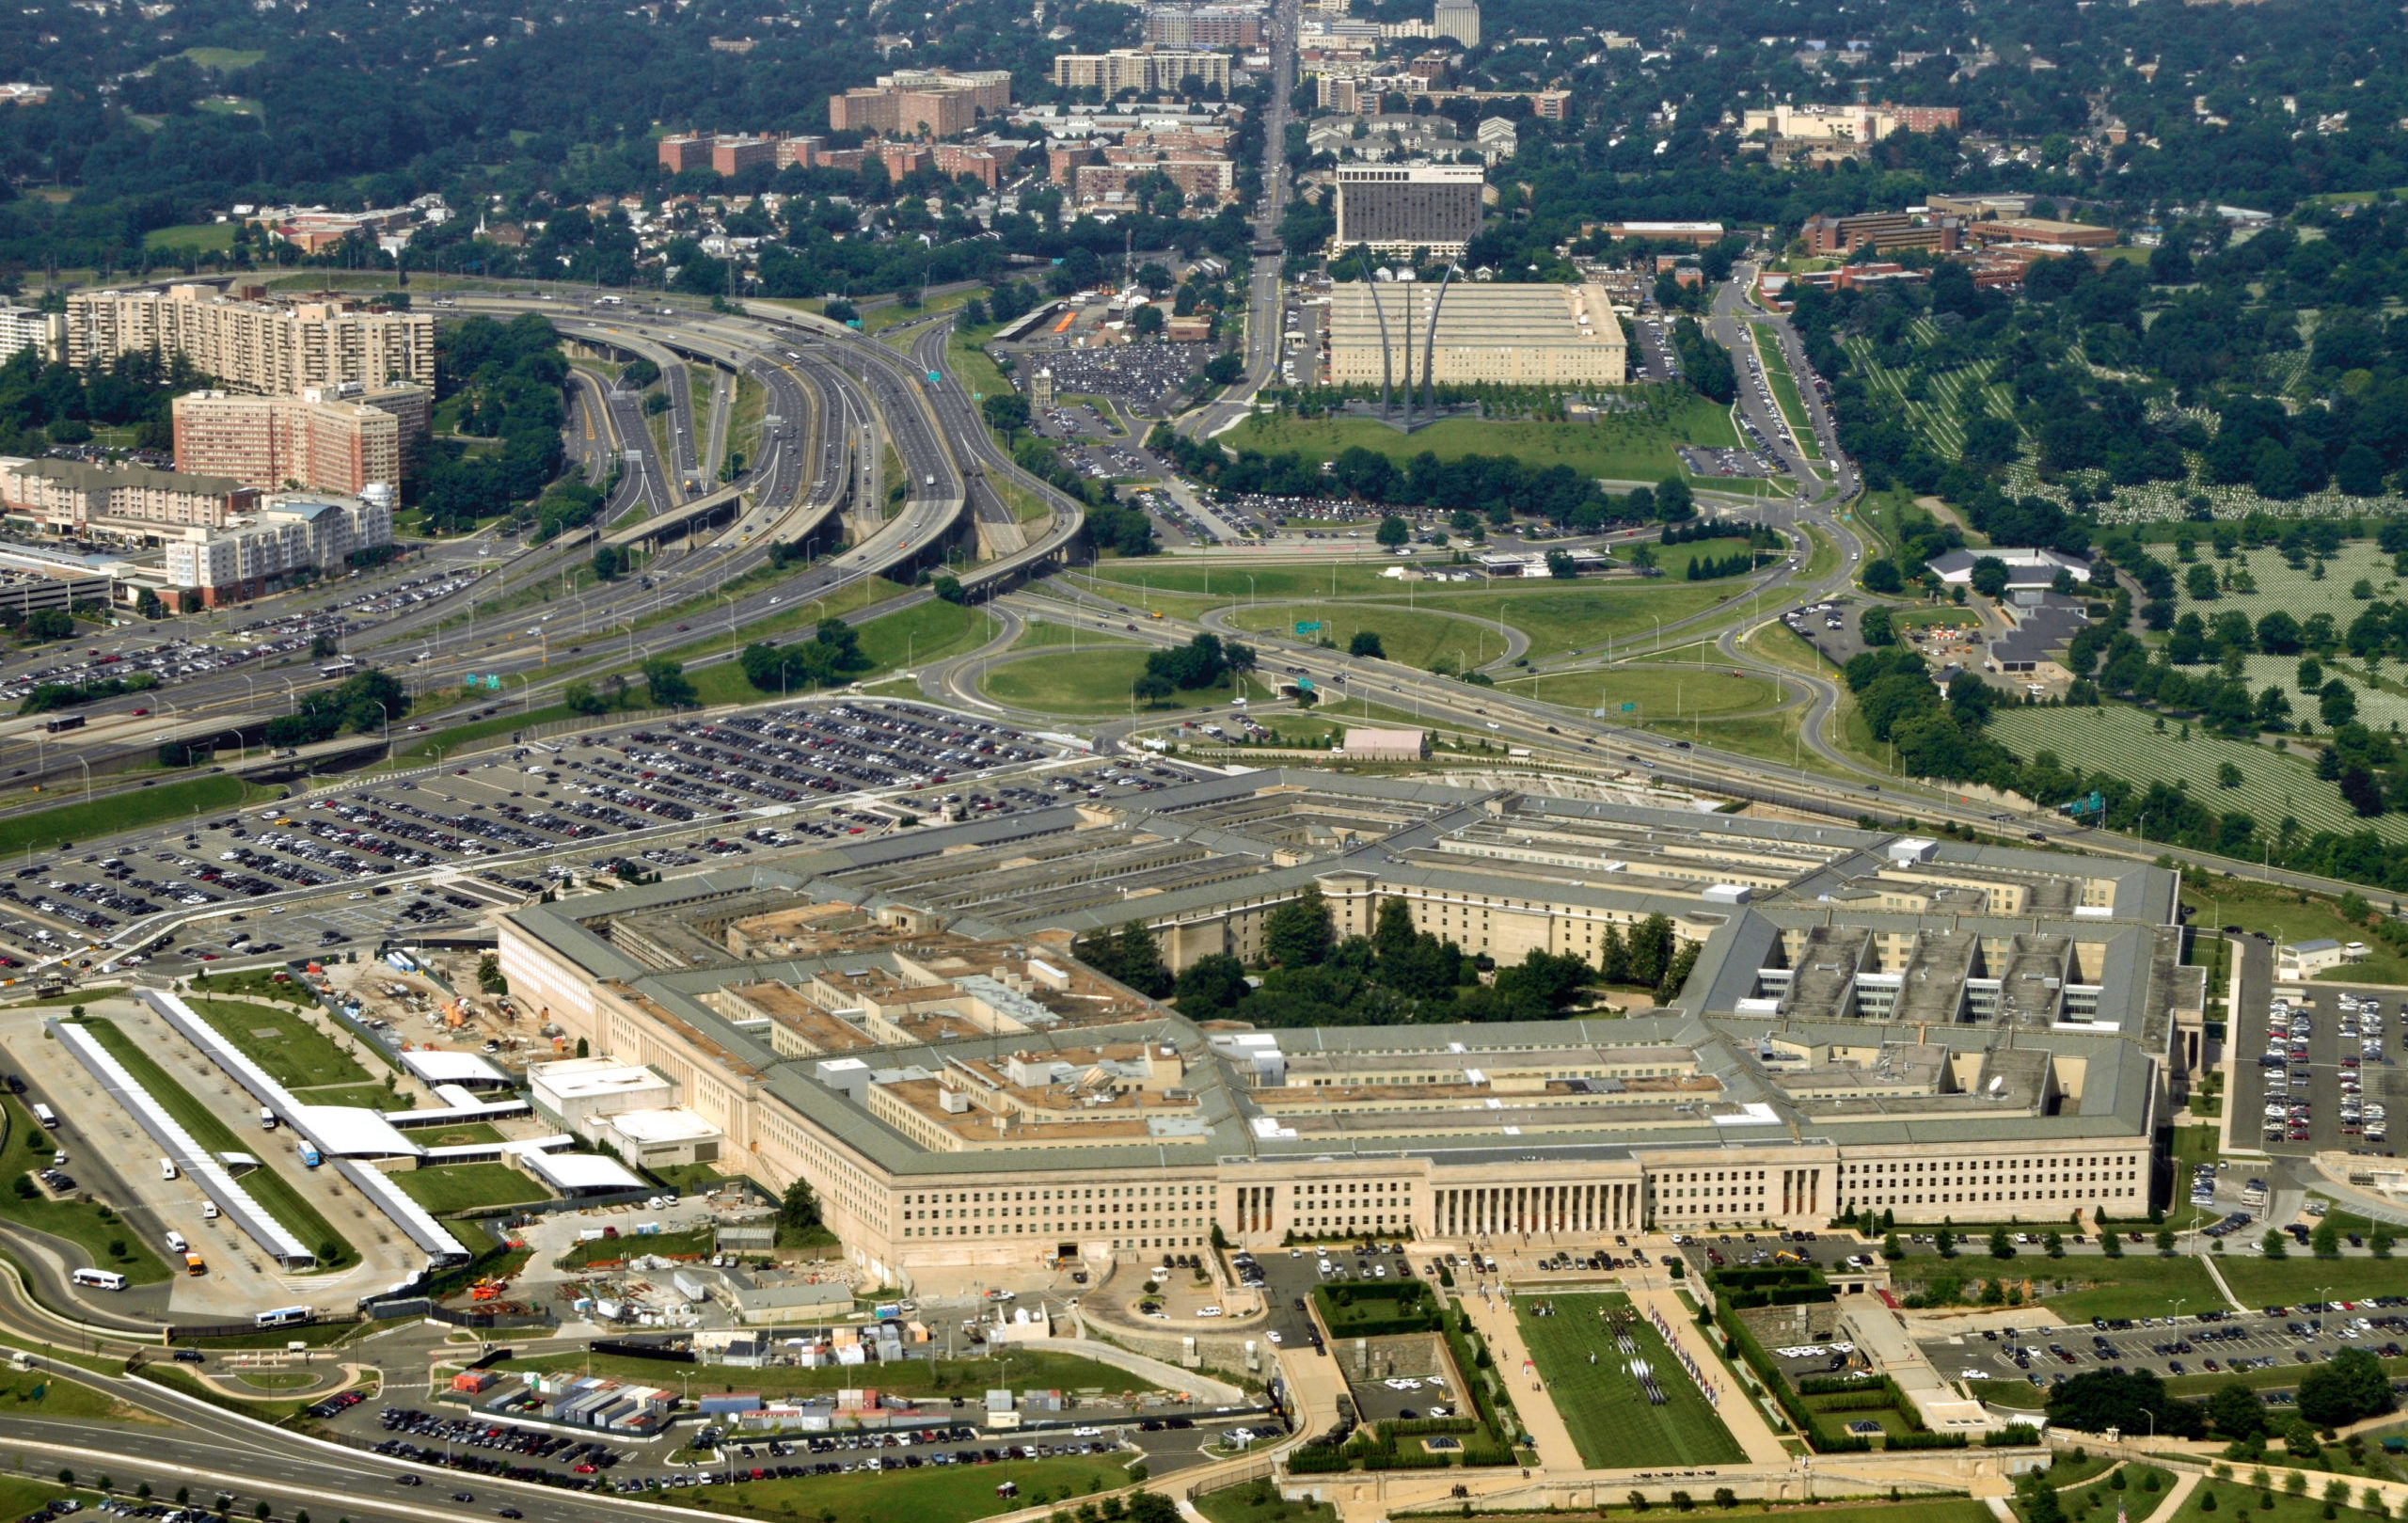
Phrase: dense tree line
[1498,487]
[43,404]
[501,382]
[365,700]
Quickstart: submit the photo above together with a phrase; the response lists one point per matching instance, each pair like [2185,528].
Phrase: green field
[469,1186]
[2278,912]
[271,1189]
[948,1494]
[92,1227]
[295,1053]
[2125,742]
[225,58]
[192,237]
[1260,1502]
[1092,684]
[1633,447]
[45,830]
[1609,1415]
[2079,1286]
[1667,695]
[2261,1281]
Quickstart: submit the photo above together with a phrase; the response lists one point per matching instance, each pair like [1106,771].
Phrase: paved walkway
[1492,1315]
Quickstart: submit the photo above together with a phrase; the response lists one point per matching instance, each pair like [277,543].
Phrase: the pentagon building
[1938,1029]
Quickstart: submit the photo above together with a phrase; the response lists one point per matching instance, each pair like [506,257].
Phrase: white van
[209,1210]
[176,1244]
[167,1169]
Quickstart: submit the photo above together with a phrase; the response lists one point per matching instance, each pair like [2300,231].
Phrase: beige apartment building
[1146,70]
[327,439]
[279,348]
[1941,1031]
[67,497]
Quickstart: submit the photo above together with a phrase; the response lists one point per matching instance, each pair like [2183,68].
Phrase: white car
[1274,1335]
[1209,1311]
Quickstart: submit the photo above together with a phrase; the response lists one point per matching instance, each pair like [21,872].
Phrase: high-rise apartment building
[1203,27]
[327,439]
[1146,70]
[937,103]
[1458,19]
[22,327]
[681,151]
[734,155]
[273,347]
[1397,208]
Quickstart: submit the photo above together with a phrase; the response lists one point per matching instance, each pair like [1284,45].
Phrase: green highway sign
[934,377]
[1308,627]
[1630,708]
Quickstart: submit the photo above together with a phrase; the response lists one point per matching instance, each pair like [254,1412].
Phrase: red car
[139,712]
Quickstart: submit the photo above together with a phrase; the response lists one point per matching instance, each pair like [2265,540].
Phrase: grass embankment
[271,1189]
[1032,1370]
[102,1235]
[1260,1502]
[1603,1405]
[904,639]
[2077,1287]
[48,829]
[950,1494]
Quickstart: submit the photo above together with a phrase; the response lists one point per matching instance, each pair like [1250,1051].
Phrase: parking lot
[2315,1069]
[1144,376]
[506,824]
[2210,1344]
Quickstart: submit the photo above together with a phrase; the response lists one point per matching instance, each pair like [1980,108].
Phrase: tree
[1989,576]
[2325,1241]
[667,682]
[1211,985]
[2002,1245]
[609,562]
[1560,565]
[2346,1388]
[2098,1400]
[798,1211]
[1673,498]
[1007,412]
[1882,576]
[1300,932]
[949,590]
[1367,643]
[1877,627]
[1394,532]
[2273,1245]
[2237,1412]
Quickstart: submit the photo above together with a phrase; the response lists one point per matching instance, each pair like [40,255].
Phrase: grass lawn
[45,830]
[1260,1504]
[1637,446]
[1662,694]
[947,1494]
[374,1097]
[1034,1370]
[2286,916]
[1609,1417]
[92,1227]
[271,1189]
[2079,1286]
[225,58]
[1098,683]
[2245,1503]
[467,1186]
[295,1053]
[1557,618]
[194,237]
[1047,634]
[612,1249]
[2258,1281]
[923,632]
[41,1393]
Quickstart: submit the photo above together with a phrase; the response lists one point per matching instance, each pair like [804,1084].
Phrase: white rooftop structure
[436,1067]
[580,1087]
[353,1132]
[582,1173]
